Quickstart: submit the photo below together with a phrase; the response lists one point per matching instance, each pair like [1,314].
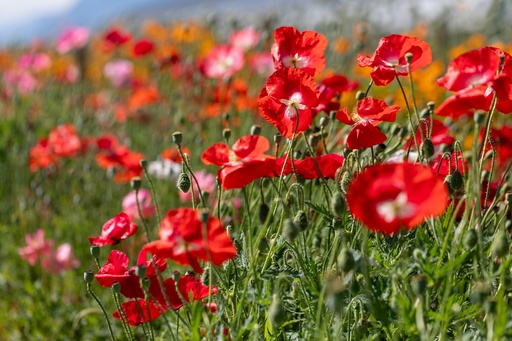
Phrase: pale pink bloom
[245,39]
[35,61]
[19,80]
[119,72]
[37,247]
[72,38]
[71,75]
[206,183]
[223,61]
[130,204]
[262,63]
[60,260]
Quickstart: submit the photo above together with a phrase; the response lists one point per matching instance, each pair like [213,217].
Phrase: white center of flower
[182,246]
[396,209]
[295,61]
[293,104]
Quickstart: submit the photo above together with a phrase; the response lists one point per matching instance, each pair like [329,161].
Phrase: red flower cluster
[389,58]
[477,76]
[389,197]
[123,160]
[186,240]
[116,229]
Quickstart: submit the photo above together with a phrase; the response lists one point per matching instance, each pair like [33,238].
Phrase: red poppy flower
[119,157]
[143,47]
[389,58]
[182,239]
[329,90]
[64,141]
[116,229]
[476,76]
[293,49]
[140,311]
[288,96]
[116,37]
[222,61]
[370,113]
[191,289]
[306,168]
[243,164]
[388,197]
[42,156]
[116,270]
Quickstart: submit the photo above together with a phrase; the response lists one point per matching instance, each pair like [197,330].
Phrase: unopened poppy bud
[313,141]
[95,251]
[431,105]
[297,154]
[277,314]
[143,163]
[301,220]
[226,133]
[479,117]
[425,113]
[332,115]
[226,116]
[278,138]
[470,239]
[255,129]
[204,216]
[485,175]
[419,284]
[346,261]
[177,137]
[360,95]
[444,148]
[145,283]
[428,148]
[403,132]
[408,57]
[345,182]
[395,129]
[380,148]
[338,205]
[183,182]
[346,152]
[500,245]
[141,270]
[447,181]
[508,225]
[324,121]
[456,181]
[263,212]
[176,275]
[88,276]
[136,183]
[290,230]
[116,287]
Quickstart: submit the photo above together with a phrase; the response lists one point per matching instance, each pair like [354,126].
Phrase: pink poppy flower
[37,247]
[130,204]
[72,38]
[206,183]
[222,62]
[35,61]
[245,39]
[119,72]
[60,260]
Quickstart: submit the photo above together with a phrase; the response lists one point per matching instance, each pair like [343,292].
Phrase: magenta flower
[72,38]
[119,72]
[130,204]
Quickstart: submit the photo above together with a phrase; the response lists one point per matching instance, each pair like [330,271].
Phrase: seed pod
[360,95]
[301,220]
[470,239]
[290,230]
[135,183]
[428,148]
[277,314]
[177,137]
[88,276]
[338,205]
[183,182]
[500,245]
[226,133]
[456,181]
[255,129]
[95,251]
[419,284]
[346,261]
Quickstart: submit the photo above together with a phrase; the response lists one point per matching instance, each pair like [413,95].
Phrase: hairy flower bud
[290,230]
[183,182]
[277,314]
[456,181]
[346,261]
[301,220]
[338,205]
[428,148]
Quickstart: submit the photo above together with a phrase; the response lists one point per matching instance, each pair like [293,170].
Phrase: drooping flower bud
[428,148]
[183,182]
[301,220]
[456,181]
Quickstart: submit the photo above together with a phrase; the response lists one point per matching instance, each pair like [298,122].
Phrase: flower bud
[255,129]
[143,163]
[360,95]
[290,230]
[176,275]
[278,138]
[419,285]
[500,245]
[428,148]
[263,212]
[204,215]
[177,137]
[479,117]
[141,270]
[136,183]
[88,276]
[456,181]
[338,205]
[431,105]
[95,251]
[345,182]
[346,261]
[277,314]
[116,287]
[470,239]
[226,133]
[183,182]
[301,220]
[425,113]
[313,141]
[324,121]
